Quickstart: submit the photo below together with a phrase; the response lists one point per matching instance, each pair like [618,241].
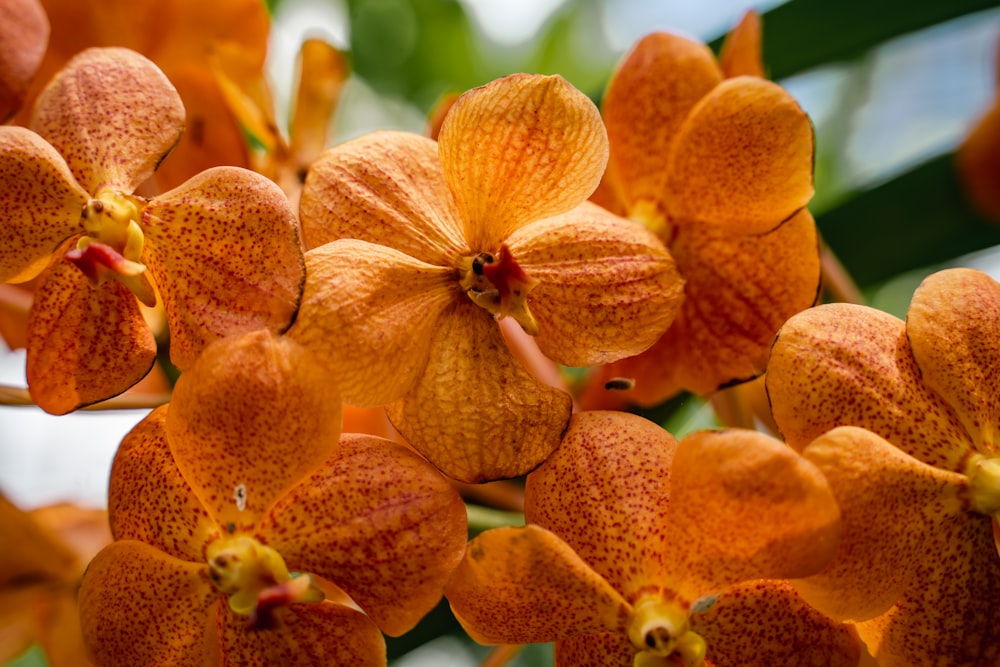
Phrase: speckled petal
[369,312]
[386,188]
[890,503]
[149,501]
[648,98]
[605,491]
[306,635]
[41,200]
[380,523]
[475,413]
[745,506]
[224,250]
[143,608]
[85,344]
[525,585]
[954,330]
[842,364]
[609,288]
[603,649]
[743,158]
[949,614]
[518,149]
[113,115]
[249,420]
[24,34]
[767,623]
[741,52]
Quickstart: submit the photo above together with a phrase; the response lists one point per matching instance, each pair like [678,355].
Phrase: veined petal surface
[518,149]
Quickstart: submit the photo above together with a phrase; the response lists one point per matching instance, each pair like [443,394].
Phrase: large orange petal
[767,623]
[746,506]
[224,250]
[605,492]
[386,188]
[890,504]
[608,287]
[949,614]
[141,607]
[518,149]
[380,523]
[249,420]
[149,500]
[369,312]
[31,552]
[42,203]
[842,364]
[648,98]
[525,585]
[954,330]
[602,649]
[113,115]
[85,344]
[978,163]
[305,635]
[24,33]
[743,158]
[741,52]
[475,413]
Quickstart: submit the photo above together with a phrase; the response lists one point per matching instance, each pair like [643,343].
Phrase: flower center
[255,578]
[984,482]
[112,247]
[649,214]
[499,285]
[660,632]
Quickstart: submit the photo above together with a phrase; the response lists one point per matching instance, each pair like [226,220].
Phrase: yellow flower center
[112,247]
[660,631]
[648,213]
[984,482]
[255,578]
[499,285]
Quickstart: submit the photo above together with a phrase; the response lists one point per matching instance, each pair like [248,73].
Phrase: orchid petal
[380,523]
[602,649]
[476,413]
[249,420]
[741,51]
[90,113]
[323,70]
[386,188]
[24,33]
[616,521]
[608,288]
[842,364]
[742,159]
[518,149]
[31,551]
[978,163]
[525,585]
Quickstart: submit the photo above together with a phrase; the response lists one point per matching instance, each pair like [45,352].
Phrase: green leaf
[33,657]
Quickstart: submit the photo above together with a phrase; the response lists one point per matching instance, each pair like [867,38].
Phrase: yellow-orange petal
[602,649]
[605,492]
[149,500]
[525,585]
[475,412]
[24,34]
[849,365]
[377,521]
[31,552]
[322,72]
[141,607]
[42,203]
[767,623]
[225,253]
[978,163]
[949,614]
[248,421]
[741,52]
[85,344]
[369,313]
[386,188]
[648,98]
[308,634]
[746,506]
[953,326]
[743,158]
[608,287]
[890,504]
[518,149]
[113,115]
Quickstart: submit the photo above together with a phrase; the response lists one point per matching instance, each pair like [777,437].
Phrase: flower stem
[17,396]
[483,518]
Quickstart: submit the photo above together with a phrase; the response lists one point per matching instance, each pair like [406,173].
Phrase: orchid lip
[498,284]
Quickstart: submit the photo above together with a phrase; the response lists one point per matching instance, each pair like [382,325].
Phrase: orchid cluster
[360,339]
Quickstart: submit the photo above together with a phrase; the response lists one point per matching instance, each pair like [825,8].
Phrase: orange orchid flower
[903,419]
[419,246]
[220,498]
[718,162]
[24,33]
[644,551]
[978,158]
[222,250]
